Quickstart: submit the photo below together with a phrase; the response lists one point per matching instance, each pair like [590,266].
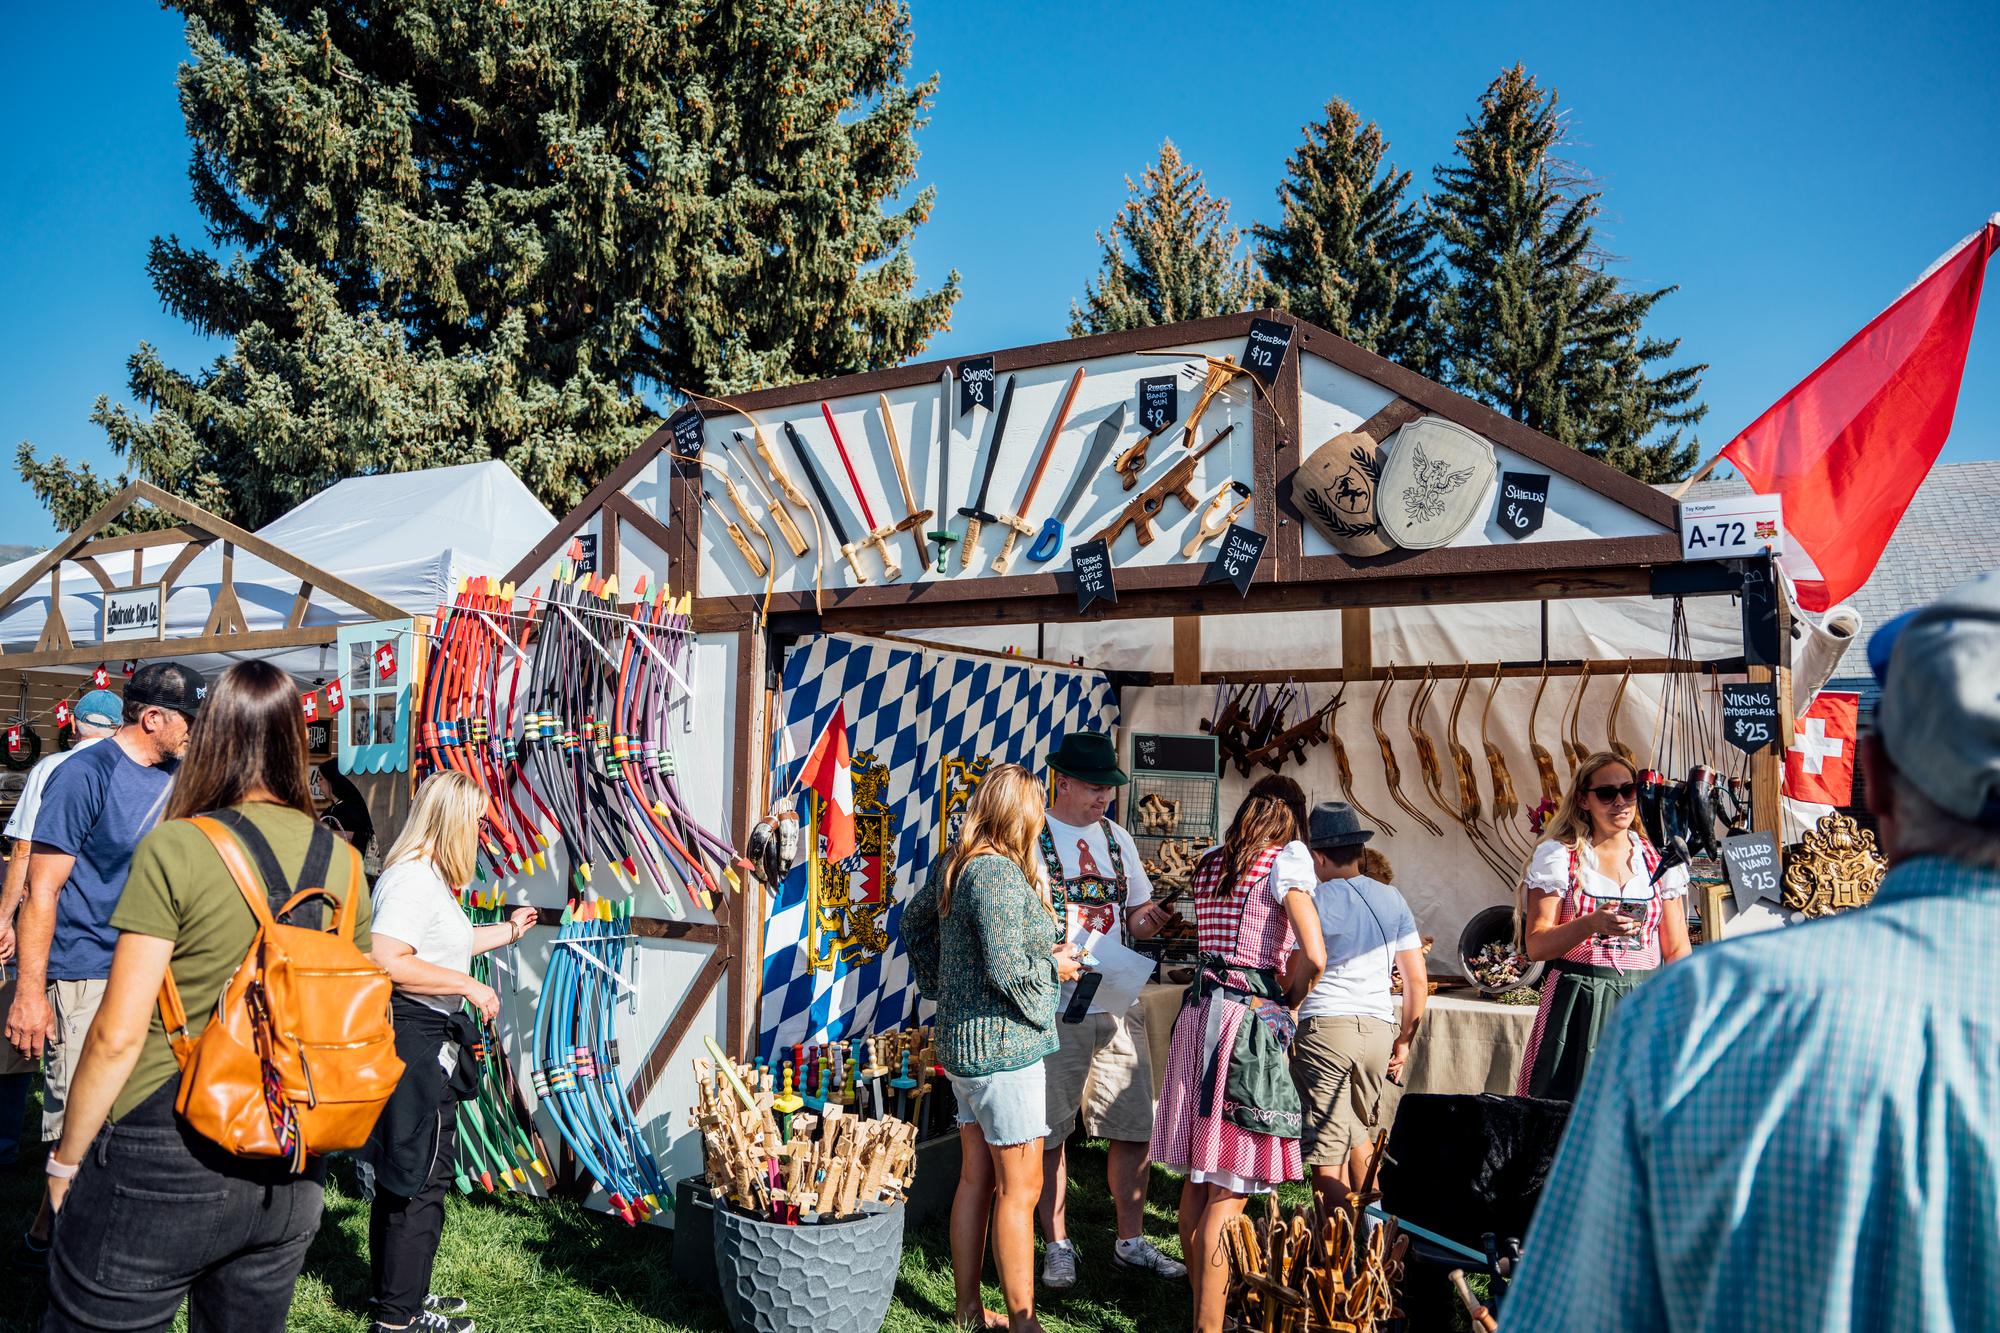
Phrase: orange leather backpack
[300,1055]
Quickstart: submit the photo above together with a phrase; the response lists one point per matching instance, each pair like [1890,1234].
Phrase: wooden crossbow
[1222,371]
[1390,770]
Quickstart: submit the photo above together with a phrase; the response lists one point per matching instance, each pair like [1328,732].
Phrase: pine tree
[467,229]
[1170,255]
[1531,320]
[1350,255]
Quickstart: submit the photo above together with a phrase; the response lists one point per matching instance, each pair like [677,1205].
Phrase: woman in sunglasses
[1593,907]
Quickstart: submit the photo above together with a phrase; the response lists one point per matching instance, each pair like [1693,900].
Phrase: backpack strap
[281,894]
[172,1012]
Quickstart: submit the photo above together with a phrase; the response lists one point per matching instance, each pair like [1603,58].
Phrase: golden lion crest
[845,903]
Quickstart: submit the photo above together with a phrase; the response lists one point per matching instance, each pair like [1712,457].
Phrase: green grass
[530,1266]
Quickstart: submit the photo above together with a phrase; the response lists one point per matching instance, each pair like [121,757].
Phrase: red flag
[309,705]
[829,772]
[334,698]
[385,663]
[100,678]
[1819,763]
[62,714]
[1849,446]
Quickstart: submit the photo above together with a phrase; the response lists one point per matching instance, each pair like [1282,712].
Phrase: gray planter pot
[835,1277]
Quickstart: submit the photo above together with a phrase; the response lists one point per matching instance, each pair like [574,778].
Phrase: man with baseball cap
[95,717]
[1100,1070]
[1801,1128]
[98,806]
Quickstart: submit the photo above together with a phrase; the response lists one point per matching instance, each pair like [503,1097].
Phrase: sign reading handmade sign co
[133,613]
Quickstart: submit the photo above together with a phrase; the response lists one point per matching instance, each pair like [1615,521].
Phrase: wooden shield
[1434,483]
[1335,488]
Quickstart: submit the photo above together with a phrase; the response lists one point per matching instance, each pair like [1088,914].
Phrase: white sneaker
[1143,1254]
[1059,1265]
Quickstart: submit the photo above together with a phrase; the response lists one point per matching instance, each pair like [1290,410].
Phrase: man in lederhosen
[1100,1070]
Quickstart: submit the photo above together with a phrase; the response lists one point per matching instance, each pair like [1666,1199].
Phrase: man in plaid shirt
[1801,1129]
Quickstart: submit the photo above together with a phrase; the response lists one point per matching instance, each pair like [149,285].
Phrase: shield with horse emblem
[1335,489]
[1436,480]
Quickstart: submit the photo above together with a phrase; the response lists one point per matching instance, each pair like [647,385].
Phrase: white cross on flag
[385,663]
[62,713]
[334,697]
[309,705]
[1819,765]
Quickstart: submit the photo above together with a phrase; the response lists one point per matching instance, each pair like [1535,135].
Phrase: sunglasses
[1608,793]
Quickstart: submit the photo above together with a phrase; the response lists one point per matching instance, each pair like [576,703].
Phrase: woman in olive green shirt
[150,1213]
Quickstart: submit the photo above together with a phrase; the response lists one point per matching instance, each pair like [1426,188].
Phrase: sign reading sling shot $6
[1751,862]
[1750,716]
[1091,563]
[1524,502]
[1237,561]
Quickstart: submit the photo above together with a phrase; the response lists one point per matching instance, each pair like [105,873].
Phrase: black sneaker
[437,1304]
[428,1322]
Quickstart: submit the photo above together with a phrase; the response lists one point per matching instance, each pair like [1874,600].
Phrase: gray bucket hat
[1334,825]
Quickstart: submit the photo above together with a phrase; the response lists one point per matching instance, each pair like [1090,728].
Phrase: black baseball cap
[167,685]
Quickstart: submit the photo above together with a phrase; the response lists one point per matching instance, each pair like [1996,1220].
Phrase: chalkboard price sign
[1266,348]
[975,385]
[1159,403]
[1524,502]
[1750,716]
[1091,563]
[1173,754]
[1751,862]
[687,427]
[1237,561]
[586,558]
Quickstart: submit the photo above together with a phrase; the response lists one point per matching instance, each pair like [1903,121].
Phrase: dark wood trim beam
[655,1064]
[250,641]
[572,522]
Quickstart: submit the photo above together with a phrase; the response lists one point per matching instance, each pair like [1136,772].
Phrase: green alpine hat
[1089,756]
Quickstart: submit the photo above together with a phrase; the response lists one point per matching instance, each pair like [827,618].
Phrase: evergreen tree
[1170,255]
[470,229]
[1350,255]
[1531,320]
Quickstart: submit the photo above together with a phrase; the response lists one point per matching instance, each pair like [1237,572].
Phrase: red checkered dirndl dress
[1249,928]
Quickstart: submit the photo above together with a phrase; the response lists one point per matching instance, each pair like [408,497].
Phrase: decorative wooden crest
[845,902]
[1836,868]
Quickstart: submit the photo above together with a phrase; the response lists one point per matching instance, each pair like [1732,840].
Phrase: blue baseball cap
[100,708]
[1939,715]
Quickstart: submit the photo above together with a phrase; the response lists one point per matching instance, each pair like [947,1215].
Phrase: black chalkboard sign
[1750,716]
[586,553]
[1237,561]
[1159,402]
[1751,862]
[1173,754]
[1091,562]
[319,738]
[1265,349]
[686,425]
[975,385]
[1524,502]
[1761,639]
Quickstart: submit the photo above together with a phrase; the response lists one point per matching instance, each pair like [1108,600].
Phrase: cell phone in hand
[1079,1001]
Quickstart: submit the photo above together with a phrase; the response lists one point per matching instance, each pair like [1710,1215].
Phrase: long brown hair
[1272,814]
[249,733]
[1004,817]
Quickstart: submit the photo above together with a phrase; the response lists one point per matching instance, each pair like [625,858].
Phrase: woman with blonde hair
[1230,1115]
[1592,906]
[425,942]
[987,948]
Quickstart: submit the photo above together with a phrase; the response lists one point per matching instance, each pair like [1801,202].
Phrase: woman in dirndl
[1594,912]
[1229,1115]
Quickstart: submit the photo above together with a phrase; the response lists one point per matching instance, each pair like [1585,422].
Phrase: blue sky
[1792,168]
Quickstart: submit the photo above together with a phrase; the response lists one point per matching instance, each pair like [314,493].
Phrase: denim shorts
[1010,1107]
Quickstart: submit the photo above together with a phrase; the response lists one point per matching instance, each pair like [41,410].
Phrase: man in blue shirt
[98,806]
[1801,1129]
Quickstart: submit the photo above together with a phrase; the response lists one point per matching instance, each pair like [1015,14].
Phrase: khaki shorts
[1340,1065]
[11,1059]
[1101,1069]
[75,1004]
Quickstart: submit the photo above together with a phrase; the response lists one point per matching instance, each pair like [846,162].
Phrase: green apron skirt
[1577,1000]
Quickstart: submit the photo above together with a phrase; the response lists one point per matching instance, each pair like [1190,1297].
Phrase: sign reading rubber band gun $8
[1159,403]
[1750,716]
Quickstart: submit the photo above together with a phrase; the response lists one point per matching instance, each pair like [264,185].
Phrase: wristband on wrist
[60,1170]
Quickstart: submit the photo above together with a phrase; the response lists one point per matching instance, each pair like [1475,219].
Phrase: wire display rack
[1172,815]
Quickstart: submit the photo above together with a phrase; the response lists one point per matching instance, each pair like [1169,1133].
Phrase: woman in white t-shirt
[426,944]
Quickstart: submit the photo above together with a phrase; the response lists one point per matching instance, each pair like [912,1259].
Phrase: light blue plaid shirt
[1795,1130]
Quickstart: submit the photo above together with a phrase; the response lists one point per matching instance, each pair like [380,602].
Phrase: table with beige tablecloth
[1465,1044]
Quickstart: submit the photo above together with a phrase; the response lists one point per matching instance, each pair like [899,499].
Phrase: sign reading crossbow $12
[845,901]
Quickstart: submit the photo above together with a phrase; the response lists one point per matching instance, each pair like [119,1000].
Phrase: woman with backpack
[426,944]
[153,1211]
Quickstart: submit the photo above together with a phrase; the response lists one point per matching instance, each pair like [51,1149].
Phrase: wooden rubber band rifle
[1392,773]
[1506,802]
[1293,742]
[1229,724]
[1221,372]
[1619,747]
[914,523]
[1545,763]
[1142,509]
[1572,740]
[1216,518]
[1346,768]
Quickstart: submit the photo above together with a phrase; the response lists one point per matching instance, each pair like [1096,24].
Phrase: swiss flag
[1849,446]
[829,772]
[335,697]
[62,714]
[309,705]
[1819,764]
[385,663]
[100,678]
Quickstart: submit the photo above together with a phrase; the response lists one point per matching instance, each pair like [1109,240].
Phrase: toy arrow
[878,534]
[1017,522]
[913,521]
[975,514]
[825,502]
[1051,539]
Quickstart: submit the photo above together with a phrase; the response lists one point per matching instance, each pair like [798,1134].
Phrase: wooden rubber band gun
[1174,482]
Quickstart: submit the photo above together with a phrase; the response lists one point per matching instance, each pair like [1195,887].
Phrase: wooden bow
[1346,769]
[1506,804]
[1574,752]
[1470,811]
[1619,747]
[1545,763]
[1391,771]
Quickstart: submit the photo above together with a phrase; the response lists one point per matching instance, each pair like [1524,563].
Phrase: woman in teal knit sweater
[988,949]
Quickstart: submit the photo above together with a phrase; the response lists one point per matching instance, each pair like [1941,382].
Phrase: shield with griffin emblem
[1335,488]
[1436,480]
